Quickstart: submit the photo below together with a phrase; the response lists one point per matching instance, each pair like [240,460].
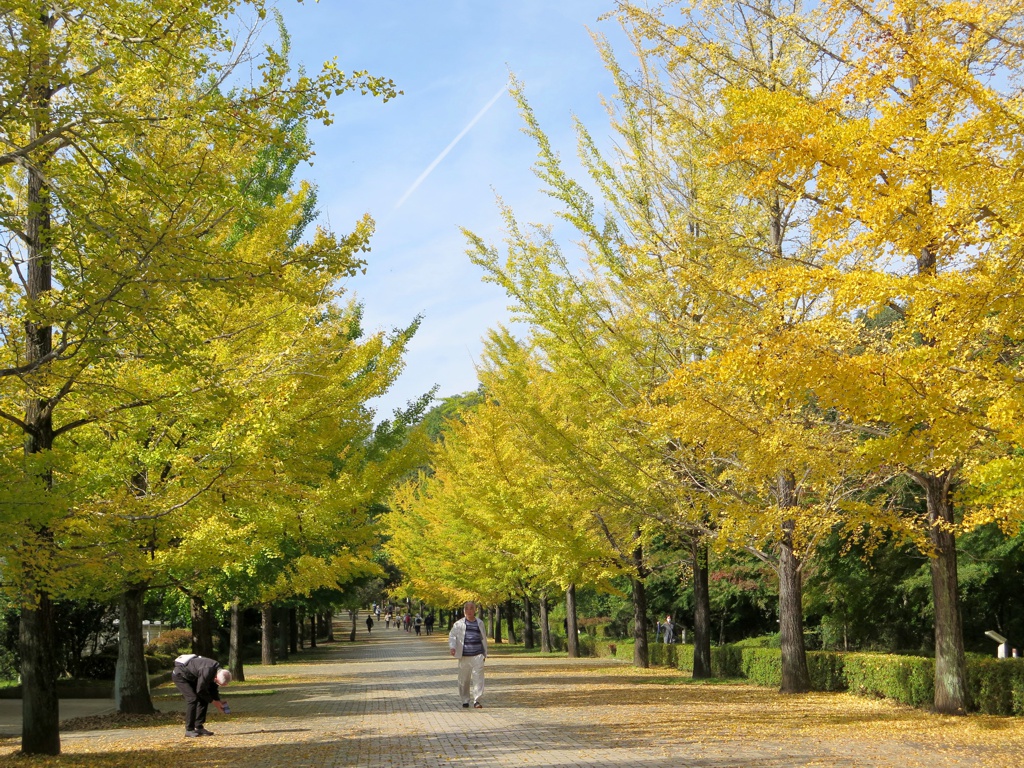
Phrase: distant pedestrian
[429,623]
[369,623]
[417,623]
[198,679]
[468,643]
[408,622]
[669,637]
[387,619]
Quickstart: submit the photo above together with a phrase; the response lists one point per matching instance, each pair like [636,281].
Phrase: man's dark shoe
[477,705]
[465,705]
[192,734]
[203,732]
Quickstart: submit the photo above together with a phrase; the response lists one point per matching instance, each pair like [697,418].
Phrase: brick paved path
[391,700]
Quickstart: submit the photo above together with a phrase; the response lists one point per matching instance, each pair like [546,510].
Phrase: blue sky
[450,59]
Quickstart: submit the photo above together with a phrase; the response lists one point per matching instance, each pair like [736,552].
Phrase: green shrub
[625,649]
[827,670]
[995,686]
[98,667]
[656,654]
[172,642]
[907,679]
[763,641]
[587,645]
[727,661]
[611,649]
[761,666]
[684,658]
[159,663]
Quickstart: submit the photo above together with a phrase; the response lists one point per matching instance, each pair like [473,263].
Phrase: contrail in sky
[450,147]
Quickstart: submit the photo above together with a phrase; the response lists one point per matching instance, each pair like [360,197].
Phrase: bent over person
[468,643]
[198,679]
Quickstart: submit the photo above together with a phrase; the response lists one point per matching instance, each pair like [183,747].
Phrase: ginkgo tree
[909,163]
[691,222]
[125,130]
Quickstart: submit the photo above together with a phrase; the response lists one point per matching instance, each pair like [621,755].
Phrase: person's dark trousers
[195,709]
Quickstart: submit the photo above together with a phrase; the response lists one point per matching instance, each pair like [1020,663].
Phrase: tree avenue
[792,317]
[780,362]
[137,269]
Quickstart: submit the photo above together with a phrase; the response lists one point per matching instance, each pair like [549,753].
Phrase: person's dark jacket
[201,673]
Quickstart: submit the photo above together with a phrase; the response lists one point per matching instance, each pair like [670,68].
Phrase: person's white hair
[470,602]
[223,677]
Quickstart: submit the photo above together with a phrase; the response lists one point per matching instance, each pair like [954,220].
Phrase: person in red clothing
[198,679]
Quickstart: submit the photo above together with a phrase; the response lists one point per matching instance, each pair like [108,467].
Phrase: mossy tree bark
[202,628]
[267,634]
[572,635]
[641,656]
[131,675]
[235,666]
[510,614]
[545,629]
[701,608]
[950,661]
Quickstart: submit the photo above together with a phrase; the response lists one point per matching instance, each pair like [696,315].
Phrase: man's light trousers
[471,678]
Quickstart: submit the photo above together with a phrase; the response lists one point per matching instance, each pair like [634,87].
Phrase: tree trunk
[267,640]
[131,676]
[235,666]
[497,624]
[510,613]
[641,657]
[545,629]
[528,622]
[572,635]
[283,634]
[701,608]
[40,731]
[355,619]
[950,663]
[312,630]
[795,677]
[293,630]
[202,632]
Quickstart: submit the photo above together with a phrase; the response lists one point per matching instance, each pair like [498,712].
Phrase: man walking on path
[369,623]
[669,636]
[198,679]
[468,644]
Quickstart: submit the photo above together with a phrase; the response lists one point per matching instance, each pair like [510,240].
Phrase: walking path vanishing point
[390,700]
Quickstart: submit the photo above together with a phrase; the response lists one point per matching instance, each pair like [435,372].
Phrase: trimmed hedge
[994,686]
[726,661]
[827,670]
[761,666]
[907,679]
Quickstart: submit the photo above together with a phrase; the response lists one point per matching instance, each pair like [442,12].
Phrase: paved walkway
[10,712]
[390,700]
